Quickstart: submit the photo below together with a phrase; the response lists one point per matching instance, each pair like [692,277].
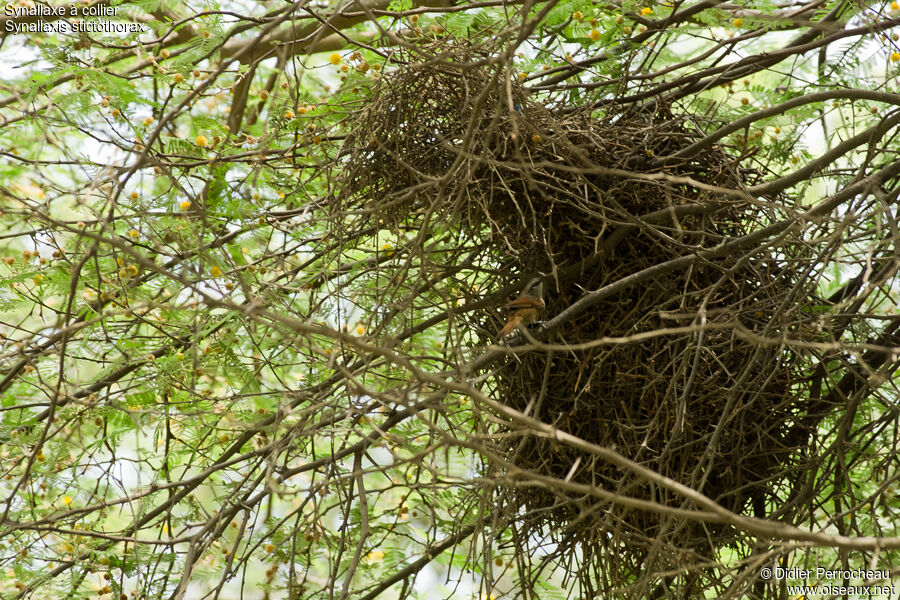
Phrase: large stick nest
[707,404]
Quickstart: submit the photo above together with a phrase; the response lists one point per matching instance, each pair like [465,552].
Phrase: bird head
[535,287]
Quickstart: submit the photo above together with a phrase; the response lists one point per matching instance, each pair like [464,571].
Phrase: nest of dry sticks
[704,400]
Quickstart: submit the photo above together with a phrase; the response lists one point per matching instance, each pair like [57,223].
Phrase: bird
[526,308]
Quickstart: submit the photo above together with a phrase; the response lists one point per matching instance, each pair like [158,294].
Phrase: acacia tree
[255,256]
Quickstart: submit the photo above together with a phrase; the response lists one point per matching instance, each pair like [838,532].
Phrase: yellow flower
[360,330]
[738,22]
[185,205]
[646,10]
[595,35]
[148,121]
[335,59]
[133,233]
[201,141]
[215,271]
[896,55]
[135,195]
[289,114]
[67,500]
[577,15]
[375,555]
[895,6]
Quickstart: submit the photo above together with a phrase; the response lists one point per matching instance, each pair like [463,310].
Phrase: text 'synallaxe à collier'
[42,10]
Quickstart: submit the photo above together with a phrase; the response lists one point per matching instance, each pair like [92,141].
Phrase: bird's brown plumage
[525,309]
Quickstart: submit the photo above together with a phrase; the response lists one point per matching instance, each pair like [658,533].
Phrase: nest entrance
[702,401]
